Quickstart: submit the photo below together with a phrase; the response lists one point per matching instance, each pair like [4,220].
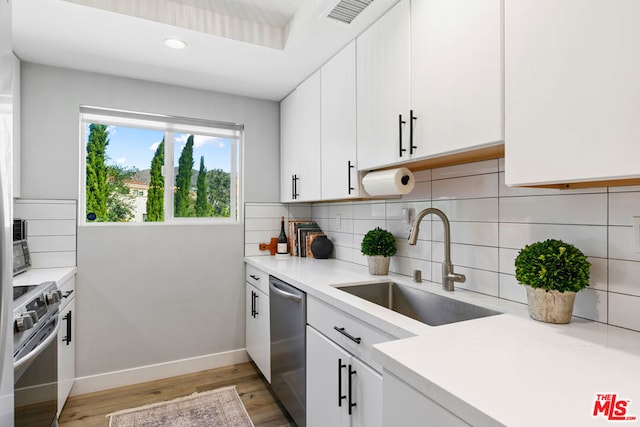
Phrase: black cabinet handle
[349,167]
[340,396]
[67,294]
[255,304]
[67,317]
[254,277]
[294,186]
[412,119]
[400,124]
[351,402]
[346,334]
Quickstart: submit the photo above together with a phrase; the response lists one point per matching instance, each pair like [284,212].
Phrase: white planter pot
[550,306]
[378,264]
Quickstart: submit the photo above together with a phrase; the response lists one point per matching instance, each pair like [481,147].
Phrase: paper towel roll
[389,182]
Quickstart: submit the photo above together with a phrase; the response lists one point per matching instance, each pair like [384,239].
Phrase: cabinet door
[257,334]
[338,126]
[300,143]
[456,74]
[571,91]
[406,406]
[383,79]
[66,353]
[327,381]
[367,395]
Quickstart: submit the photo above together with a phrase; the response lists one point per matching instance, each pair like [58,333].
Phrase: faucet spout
[448,275]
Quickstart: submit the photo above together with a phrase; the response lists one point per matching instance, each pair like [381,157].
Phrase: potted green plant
[552,272]
[379,246]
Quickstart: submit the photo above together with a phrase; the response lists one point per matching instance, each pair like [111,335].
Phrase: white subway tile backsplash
[51,231]
[262,224]
[510,289]
[53,259]
[300,211]
[624,311]
[621,244]
[624,277]
[369,211]
[264,210]
[490,222]
[598,277]
[422,176]
[361,226]
[623,207]
[319,210]
[481,210]
[484,282]
[591,304]
[470,233]
[479,257]
[467,169]
[44,209]
[345,210]
[52,243]
[507,258]
[260,236]
[582,209]
[52,227]
[469,187]
[590,239]
[421,191]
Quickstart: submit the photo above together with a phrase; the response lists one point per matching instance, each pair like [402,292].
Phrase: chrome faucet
[448,276]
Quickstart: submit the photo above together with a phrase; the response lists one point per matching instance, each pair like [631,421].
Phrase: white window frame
[170,125]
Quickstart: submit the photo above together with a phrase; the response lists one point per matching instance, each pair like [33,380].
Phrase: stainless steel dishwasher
[288,306]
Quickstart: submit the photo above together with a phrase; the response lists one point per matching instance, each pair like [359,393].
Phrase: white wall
[154,293]
[490,222]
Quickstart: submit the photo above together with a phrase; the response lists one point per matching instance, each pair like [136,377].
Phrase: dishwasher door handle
[292,297]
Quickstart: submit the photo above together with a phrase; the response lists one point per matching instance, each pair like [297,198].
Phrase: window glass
[125,175]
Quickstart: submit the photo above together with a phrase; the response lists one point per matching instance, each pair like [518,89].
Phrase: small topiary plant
[552,265]
[378,242]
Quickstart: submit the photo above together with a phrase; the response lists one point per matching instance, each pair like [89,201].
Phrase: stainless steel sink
[426,307]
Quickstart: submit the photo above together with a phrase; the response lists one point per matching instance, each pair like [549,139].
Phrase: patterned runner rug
[220,407]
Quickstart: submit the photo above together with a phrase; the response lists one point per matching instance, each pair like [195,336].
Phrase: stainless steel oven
[35,357]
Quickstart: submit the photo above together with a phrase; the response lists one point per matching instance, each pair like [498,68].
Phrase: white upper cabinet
[383,95]
[300,143]
[338,126]
[456,75]
[430,81]
[571,91]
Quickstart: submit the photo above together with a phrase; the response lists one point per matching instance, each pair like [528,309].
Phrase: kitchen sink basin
[426,307]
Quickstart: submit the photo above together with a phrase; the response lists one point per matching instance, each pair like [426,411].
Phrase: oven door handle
[39,349]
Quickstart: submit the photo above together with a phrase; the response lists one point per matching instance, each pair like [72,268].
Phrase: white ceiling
[257,48]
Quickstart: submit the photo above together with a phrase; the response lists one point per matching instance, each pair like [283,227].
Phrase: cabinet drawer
[68,289]
[258,278]
[326,319]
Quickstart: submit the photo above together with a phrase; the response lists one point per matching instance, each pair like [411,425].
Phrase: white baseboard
[93,383]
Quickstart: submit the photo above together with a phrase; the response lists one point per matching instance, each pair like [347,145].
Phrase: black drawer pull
[346,334]
[254,277]
[66,294]
[67,317]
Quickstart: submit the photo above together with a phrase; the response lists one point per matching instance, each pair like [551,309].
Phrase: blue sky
[134,147]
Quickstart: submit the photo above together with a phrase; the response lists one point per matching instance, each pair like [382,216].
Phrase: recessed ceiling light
[175,43]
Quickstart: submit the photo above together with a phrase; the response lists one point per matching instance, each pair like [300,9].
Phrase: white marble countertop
[34,276]
[501,370]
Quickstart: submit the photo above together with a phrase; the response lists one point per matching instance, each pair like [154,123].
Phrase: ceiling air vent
[347,10]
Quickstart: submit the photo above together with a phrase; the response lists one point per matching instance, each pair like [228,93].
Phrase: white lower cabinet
[257,329]
[341,389]
[406,406]
[66,343]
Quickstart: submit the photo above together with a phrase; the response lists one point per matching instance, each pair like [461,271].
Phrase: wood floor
[89,410]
